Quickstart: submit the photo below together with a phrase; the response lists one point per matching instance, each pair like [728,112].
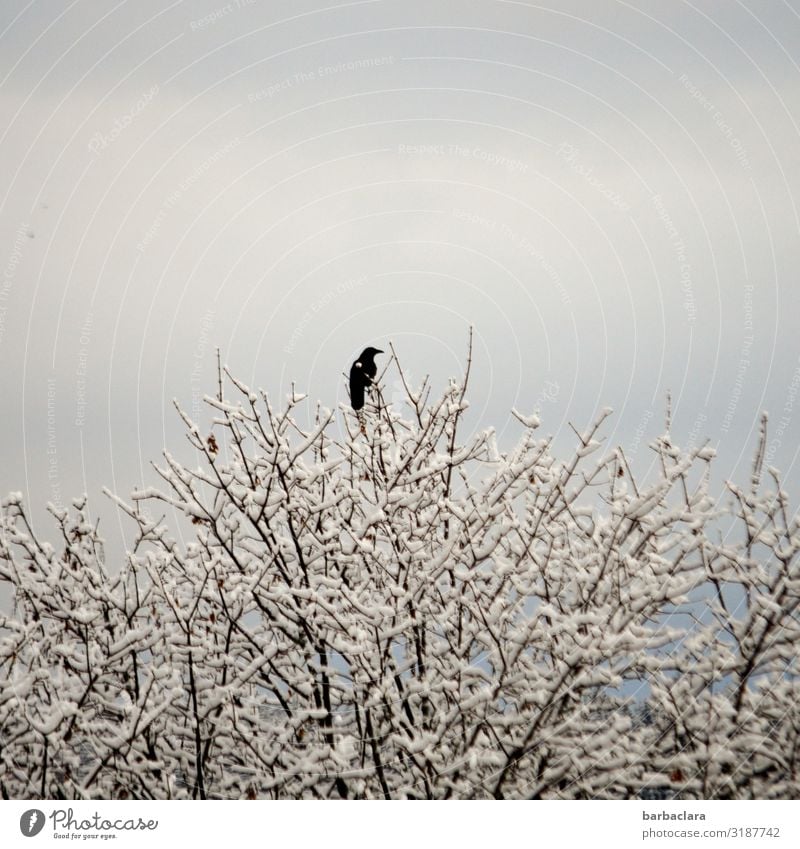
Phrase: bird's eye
[358,365]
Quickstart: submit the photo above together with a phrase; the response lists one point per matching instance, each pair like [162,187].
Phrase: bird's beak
[378,351]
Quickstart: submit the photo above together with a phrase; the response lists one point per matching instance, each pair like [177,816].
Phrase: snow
[412,613]
[531,421]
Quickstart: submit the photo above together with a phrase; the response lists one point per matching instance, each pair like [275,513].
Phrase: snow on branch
[406,612]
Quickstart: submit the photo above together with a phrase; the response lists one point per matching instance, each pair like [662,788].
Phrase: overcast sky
[606,191]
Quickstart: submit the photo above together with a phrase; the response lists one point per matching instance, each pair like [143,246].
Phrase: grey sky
[595,186]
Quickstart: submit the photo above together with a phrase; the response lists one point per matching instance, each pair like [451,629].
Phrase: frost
[591,446]
[401,610]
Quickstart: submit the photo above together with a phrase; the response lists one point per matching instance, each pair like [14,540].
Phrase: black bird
[362,373]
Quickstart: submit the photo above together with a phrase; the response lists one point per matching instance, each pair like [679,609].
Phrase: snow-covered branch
[406,612]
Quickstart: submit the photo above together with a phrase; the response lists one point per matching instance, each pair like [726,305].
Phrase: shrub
[405,612]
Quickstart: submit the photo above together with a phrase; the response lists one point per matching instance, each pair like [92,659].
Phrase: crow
[362,373]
